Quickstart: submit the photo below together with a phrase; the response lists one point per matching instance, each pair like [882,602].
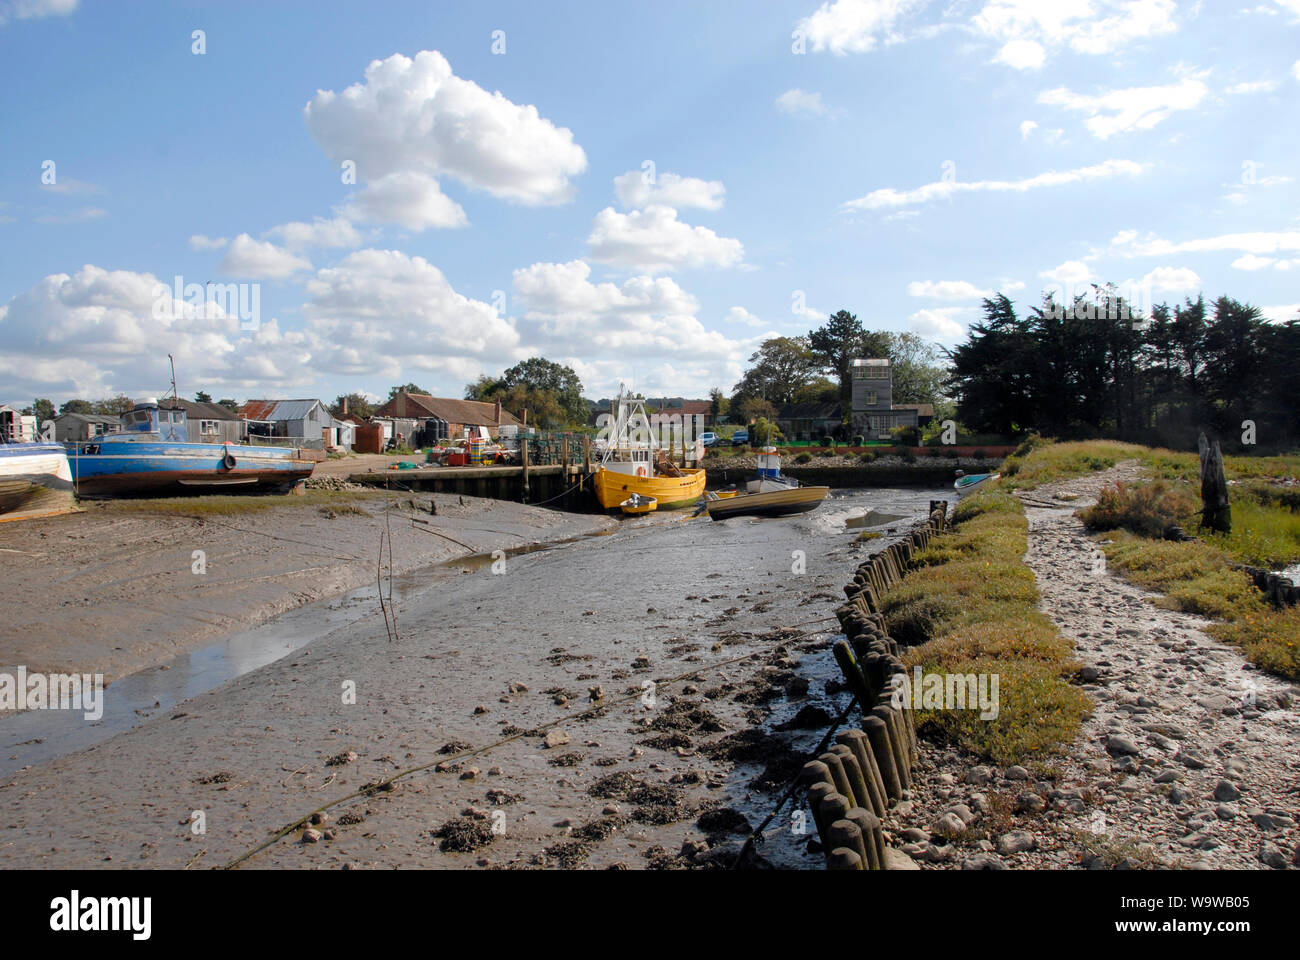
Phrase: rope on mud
[756,835]
[378,785]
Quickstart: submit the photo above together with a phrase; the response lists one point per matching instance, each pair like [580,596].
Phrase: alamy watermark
[946,691]
[235,300]
[53,691]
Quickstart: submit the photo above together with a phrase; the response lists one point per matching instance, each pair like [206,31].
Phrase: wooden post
[842,858]
[523,459]
[845,834]
[1216,513]
[877,732]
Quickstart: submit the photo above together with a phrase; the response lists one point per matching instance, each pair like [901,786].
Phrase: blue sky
[644,192]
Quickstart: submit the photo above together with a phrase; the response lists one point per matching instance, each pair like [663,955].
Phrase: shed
[206,422]
[73,427]
[305,423]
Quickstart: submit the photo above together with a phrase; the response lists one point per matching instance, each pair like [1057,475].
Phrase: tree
[113,406]
[406,388]
[76,406]
[229,403]
[718,405]
[551,392]
[818,390]
[202,397]
[780,368]
[357,404]
[840,341]
[918,374]
[756,408]
[43,410]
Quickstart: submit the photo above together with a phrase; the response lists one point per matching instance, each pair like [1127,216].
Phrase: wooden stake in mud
[523,459]
[877,732]
[873,838]
[842,858]
[857,741]
[845,833]
[1216,513]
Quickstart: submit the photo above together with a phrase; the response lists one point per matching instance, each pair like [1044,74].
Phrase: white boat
[35,481]
[770,494]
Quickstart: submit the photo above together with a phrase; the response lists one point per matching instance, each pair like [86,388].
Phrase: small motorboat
[967,482]
[770,494]
[636,505]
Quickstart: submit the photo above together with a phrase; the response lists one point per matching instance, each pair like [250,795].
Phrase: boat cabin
[146,417]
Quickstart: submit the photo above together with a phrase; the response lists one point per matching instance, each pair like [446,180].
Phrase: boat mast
[176,399]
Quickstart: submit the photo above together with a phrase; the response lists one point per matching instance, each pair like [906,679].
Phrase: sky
[311,199]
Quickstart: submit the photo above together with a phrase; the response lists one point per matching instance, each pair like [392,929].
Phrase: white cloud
[1072,273]
[854,26]
[938,324]
[742,316]
[798,101]
[1135,108]
[201,241]
[414,117]
[85,213]
[1026,128]
[35,9]
[1172,278]
[96,333]
[946,290]
[380,312]
[299,236]
[889,197]
[1295,69]
[637,189]
[1281,313]
[1249,261]
[73,188]
[1254,86]
[256,258]
[1084,26]
[1022,54]
[1260,243]
[654,240]
[411,200]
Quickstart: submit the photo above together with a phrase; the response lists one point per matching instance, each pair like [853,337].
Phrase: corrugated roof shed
[470,413]
[267,410]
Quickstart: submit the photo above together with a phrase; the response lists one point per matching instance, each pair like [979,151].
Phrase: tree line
[1098,367]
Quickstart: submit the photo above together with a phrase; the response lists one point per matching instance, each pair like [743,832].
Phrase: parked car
[709,438]
[740,438]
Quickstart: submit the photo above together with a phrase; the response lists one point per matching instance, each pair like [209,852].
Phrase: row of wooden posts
[851,786]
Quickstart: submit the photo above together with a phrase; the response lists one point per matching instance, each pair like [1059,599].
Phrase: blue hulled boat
[152,454]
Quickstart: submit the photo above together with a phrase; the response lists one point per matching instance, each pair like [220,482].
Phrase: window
[873,398]
[208,428]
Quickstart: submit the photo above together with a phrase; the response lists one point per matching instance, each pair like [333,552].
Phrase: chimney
[525,416]
[400,408]
[498,412]
[345,406]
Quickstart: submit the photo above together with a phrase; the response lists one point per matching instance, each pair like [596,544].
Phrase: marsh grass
[971,606]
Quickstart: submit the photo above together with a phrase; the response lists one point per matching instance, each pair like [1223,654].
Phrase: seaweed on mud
[500,798]
[661,859]
[598,830]
[606,761]
[221,776]
[464,834]
[754,747]
[567,760]
[566,854]
[722,821]
[559,659]
[350,818]
[659,804]
[668,741]
[687,716]
[615,786]
[454,746]
[809,717]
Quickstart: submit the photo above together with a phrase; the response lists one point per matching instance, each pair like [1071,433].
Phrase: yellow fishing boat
[634,465]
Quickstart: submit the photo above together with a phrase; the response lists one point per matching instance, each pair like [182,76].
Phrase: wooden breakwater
[851,786]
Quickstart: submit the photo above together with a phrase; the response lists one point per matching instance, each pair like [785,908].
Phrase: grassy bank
[971,606]
[221,505]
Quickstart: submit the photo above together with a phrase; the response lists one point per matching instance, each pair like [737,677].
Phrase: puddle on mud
[38,736]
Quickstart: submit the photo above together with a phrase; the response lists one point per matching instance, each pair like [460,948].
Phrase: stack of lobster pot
[851,786]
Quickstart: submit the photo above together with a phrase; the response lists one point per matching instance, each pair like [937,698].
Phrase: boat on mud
[770,494]
[967,483]
[633,463]
[637,505]
[152,455]
[35,481]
